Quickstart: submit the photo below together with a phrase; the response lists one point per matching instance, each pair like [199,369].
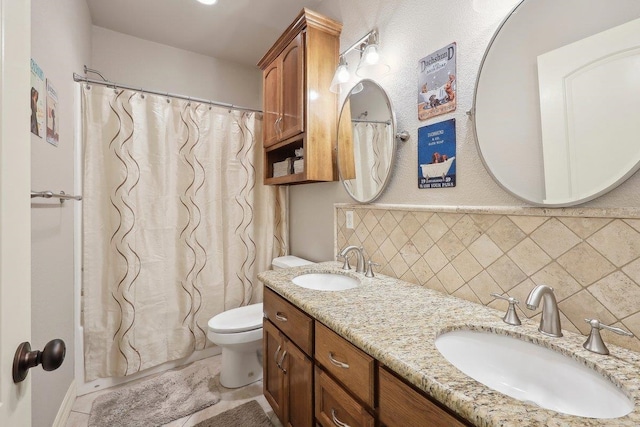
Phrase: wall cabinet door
[271,103]
[292,83]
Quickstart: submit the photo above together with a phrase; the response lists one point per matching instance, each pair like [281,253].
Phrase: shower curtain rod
[388,122]
[79,78]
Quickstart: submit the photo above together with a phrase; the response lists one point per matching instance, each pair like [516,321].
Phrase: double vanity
[367,349]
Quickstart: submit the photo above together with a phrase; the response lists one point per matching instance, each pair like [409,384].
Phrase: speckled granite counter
[397,323]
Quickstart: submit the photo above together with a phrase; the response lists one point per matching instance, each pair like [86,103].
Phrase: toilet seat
[236,320]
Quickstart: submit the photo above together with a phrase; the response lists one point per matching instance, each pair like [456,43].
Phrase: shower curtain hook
[168,98]
[141,93]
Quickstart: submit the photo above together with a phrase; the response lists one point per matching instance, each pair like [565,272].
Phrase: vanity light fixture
[371,63]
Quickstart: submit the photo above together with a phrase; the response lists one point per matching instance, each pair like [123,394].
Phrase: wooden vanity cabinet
[288,368]
[400,405]
[299,109]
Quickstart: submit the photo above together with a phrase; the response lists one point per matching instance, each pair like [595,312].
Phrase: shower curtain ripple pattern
[176,225]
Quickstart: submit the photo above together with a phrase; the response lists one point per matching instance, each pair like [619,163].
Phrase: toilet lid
[238,319]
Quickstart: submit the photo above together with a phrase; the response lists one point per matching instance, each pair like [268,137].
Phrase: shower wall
[61,45]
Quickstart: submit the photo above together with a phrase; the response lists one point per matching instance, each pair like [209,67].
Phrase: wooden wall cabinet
[299,109]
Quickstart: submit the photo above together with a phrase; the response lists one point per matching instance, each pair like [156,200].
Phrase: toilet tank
[289,261]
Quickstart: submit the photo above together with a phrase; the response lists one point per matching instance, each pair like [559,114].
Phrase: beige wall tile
[618,293]
[410,254]
[585,264]
[370,220]
[422,241]
[484,221]
[388,222]
[398,238]
[467,230]
[435,258]
[505,234]
[584,227]
[450,279]
[450,245]
[557,277]
[485,251]
[450,218]
[422,271]
[410,225]
[527,223]
[529,256]
[619,242]
[466,265]
[466,293]
[506,273]
[435,227]
[555,238]
[583,305]
[483,286]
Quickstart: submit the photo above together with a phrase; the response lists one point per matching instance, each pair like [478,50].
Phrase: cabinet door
[273,377]
[298,384]
[292,81]
[335,407]
[400,406]
[271,103]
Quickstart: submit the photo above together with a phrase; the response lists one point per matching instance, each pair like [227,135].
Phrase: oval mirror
[556,108]
[366,141]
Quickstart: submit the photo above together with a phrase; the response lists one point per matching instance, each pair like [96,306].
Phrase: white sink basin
[528,372]
[326,281]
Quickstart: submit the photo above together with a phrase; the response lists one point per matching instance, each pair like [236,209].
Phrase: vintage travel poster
[37,100]
[437,83]
[52,115]
[437,155]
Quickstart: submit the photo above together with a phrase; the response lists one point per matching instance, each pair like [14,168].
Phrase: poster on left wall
[37,100]
[52,115]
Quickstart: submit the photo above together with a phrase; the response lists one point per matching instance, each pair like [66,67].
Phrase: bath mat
[158,400]
[248,414]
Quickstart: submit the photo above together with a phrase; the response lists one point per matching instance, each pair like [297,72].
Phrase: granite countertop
[397,323]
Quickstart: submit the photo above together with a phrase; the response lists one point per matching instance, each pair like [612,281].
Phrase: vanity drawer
[400,405]
[335,407]
[348,364]
[294,323]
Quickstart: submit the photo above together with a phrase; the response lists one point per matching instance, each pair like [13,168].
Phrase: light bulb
[208,2]
[371,55]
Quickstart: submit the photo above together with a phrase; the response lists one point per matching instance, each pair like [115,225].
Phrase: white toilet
[239,332]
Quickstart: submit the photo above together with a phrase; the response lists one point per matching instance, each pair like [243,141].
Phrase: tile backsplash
[591,257]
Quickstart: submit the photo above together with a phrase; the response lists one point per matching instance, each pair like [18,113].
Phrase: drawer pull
[336,421]
[275,355]
[284,353]
[281,317]
[337,362]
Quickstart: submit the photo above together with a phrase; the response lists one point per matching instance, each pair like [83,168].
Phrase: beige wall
[410,30]
[129,60]
[61,45]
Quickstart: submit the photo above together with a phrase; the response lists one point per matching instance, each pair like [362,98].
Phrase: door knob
[51,358]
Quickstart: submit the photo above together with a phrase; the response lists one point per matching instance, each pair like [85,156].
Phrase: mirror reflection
[366,141]
[555,109]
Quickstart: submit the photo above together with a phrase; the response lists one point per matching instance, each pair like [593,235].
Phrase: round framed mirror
[366,141]
[556,105]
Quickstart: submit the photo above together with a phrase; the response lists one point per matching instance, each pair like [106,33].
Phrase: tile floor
[230,398]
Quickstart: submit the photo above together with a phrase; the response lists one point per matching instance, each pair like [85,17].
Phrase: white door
[15,222]
[583,86]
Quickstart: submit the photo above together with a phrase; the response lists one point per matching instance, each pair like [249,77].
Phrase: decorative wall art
[37,100]
[437,155]
[53,122]
[437,83]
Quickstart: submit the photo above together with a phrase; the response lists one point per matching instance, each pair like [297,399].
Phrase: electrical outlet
[349,215]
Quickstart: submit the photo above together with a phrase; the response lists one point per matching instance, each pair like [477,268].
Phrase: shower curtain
[176,225]
[372,155]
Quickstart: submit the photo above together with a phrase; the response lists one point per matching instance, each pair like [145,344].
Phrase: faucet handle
[370,265]
[346,265]
[511,317]
[594,342]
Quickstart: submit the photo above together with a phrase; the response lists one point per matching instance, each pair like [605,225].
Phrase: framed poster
[37,100]
[437,155]
[437,83]
[53,122]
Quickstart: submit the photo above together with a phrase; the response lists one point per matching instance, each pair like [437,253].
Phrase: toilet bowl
[239,332]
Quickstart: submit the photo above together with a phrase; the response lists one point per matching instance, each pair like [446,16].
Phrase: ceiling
[235,30]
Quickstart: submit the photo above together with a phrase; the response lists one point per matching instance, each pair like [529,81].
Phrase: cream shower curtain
[176,225]
[372,155]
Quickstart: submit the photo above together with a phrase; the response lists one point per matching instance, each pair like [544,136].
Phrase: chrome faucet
[360,266]
[550,320]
